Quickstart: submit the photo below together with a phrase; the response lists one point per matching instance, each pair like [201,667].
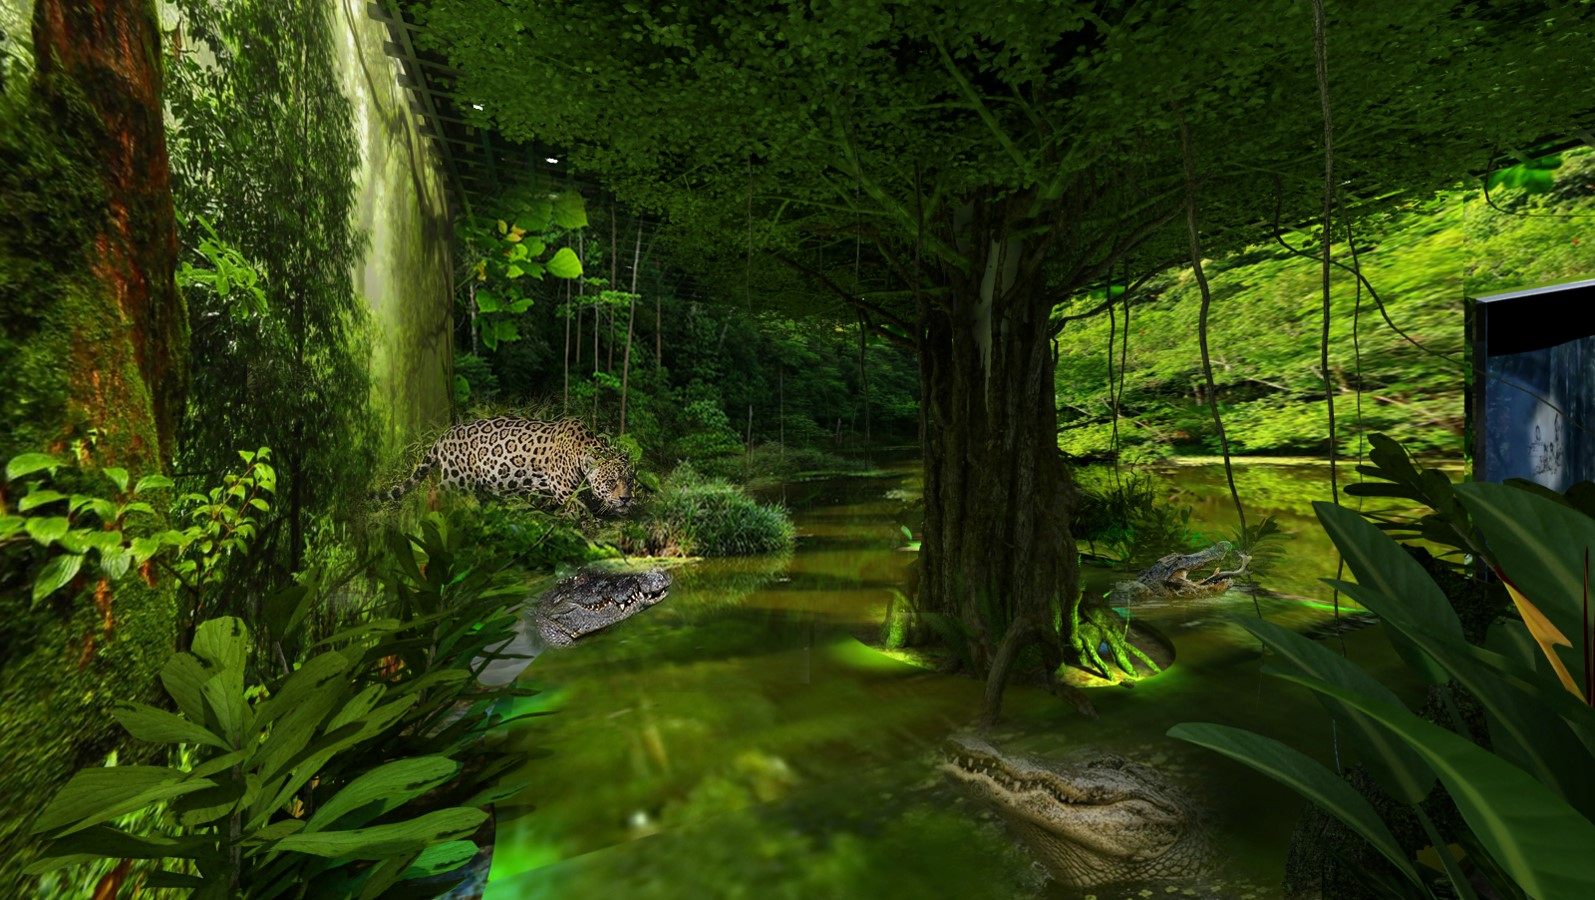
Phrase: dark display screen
[1534,385]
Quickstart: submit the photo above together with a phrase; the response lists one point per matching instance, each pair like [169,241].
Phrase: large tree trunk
[94,337]
[109,50]
[996,549]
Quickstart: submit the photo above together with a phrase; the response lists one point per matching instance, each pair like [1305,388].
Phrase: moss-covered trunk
[997,548]
[92,345]
[108,51]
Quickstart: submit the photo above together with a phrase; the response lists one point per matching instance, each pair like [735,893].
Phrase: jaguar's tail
[422,469]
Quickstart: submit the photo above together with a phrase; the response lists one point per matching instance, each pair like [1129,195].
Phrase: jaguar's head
[613,483]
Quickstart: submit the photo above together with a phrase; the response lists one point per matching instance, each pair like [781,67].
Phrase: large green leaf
[105,841]
[280,783]
[1382,564]
[378,841]
[570,211]
[1397,769]
[202,807]
[565,264]
[323,675]
[48,529]
[184,677]
[1535,836]
[1523,729]
[384,788]
[1306,777]
[96,795]
[1540,545]
[440,858]
[118,476]
[56,574]
[28,463]
[226,711]
[40,498]
[159,726]
[222,642]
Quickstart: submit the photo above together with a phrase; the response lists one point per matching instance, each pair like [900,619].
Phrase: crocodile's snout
[1092,820]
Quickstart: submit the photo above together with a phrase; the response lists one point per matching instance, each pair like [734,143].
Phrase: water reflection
[737,740]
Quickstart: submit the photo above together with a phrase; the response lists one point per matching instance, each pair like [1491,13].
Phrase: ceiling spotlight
[550,159]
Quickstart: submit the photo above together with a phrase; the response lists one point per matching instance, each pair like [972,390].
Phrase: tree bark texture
[996,548]
[109,51]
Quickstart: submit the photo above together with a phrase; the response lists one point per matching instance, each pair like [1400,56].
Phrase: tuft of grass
[1132,518]
[697,516]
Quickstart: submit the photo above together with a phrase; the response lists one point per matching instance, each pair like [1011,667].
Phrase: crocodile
[586,602]
[589,601]
[1169,577]
[1095,821]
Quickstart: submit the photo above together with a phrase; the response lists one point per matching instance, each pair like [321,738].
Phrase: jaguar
[534,459]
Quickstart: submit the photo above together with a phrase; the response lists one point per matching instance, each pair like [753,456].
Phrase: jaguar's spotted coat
[509,456]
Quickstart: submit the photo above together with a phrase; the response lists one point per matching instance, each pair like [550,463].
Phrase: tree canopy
[853,128]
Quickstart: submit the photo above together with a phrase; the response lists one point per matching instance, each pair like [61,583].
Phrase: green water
[737,741]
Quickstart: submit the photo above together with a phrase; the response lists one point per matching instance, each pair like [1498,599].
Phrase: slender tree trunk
[863,371]
[631,321]
[565,403]
[659,340]
[581,295]
[614,285]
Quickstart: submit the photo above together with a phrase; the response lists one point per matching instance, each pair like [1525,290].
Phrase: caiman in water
[589,601]
[1170,576]
[1095,821]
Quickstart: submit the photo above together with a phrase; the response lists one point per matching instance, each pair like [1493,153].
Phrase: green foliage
[766,463]
[231,278]
[123,525]
[516,249]
[1525,796]
[1533,176]
[1422,258]
[474,381]
[264,154]
[696,516]
[1130,516]
[1098,634]
[708,434]
[236,807]
[367,749]
[537,541]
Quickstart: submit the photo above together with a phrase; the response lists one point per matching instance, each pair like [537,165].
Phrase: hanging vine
[1201,326]
[1321,66]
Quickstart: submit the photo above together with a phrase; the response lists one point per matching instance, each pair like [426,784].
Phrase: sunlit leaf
[565,264]
[570,212]
[28,463]
[56,574]
[378,841]
[49,529]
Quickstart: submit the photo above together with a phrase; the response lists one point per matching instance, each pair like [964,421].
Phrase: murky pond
[738,741]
